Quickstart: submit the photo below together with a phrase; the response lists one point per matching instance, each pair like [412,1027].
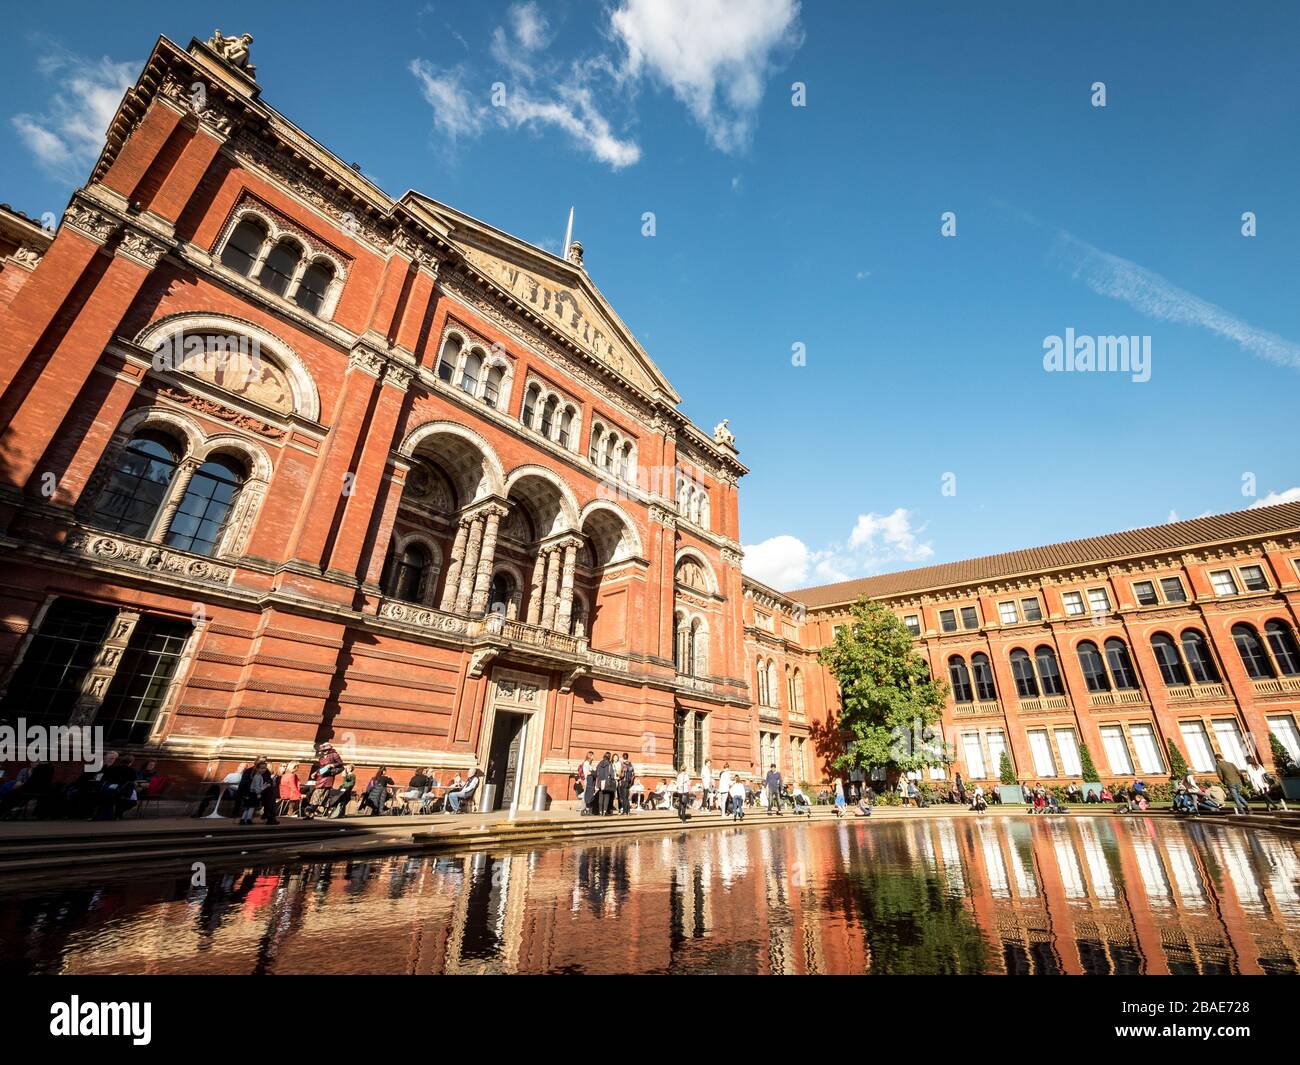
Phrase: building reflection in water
[949,895]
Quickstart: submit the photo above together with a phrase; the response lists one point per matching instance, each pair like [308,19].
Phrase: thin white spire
[568,236]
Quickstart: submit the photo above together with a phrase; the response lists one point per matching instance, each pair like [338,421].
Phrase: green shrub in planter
[1088,770]
[1005,770]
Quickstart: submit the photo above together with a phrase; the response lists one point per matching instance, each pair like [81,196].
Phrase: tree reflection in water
[954,894]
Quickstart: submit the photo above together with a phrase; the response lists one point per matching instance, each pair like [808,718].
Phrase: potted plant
[1091,778]
[1287,771]
[1009,791]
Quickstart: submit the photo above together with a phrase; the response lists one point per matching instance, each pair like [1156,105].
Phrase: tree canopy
[890,703]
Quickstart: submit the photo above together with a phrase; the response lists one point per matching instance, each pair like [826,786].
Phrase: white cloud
[67,135]
[1149,293]
[574,112]
[780,562]
[530,27]
[715,55]
[875,542]
[1287,495]
[455,111]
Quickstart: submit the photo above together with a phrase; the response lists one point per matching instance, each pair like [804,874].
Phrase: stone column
[465,586]
[535,592]
[564,613]
[176,495]
[550,596]
[96,684]
[487,554]
[452,582]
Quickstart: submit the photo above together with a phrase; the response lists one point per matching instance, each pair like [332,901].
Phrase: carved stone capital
[89,221]
[398,375]
[663,516]
[141,248]
[731,557]
[28,256]
[367,360]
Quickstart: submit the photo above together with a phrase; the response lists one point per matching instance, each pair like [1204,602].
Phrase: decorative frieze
[216,410]
[89,221]
[141,248]
[146,556]
[424,617]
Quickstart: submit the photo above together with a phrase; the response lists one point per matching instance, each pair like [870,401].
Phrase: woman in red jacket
[290,790]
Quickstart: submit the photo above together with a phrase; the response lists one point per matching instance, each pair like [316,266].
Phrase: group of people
[330,787]
[101,794]
[605,784]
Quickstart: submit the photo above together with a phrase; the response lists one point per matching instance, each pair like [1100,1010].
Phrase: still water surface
[951,895]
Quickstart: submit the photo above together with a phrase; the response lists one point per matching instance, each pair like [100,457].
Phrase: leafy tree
[890,702]
[1177,764]
[1088,770]
[1006,770]
[1286,766]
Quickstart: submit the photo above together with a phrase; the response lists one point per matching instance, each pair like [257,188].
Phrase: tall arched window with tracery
[200,520]
[133,497]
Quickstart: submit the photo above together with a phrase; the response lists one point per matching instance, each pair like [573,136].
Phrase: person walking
[961,790]
[773,784]
[839,798]
[1260,783]
[706,786]
[683,787]
[1230,776]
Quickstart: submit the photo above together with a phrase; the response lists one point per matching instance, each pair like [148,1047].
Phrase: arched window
[408,574]
[470,373]
[501,592]
[985,689]
[315,283]
[135,492]
[625,461]
[1049,673]
[1172,671]
[1199,660]
[1282,641]
[492,386]
[1094,670]
[699,654]
[244,246]
[566,428]
[1022,669]
[681,653]
[761,677]
[1121,666]
[771,683]
[957,673]
[448,359]
[798,691]
[1253,655]
[280,266]
[530,405]
[548,416]
[611,441]
[209,497]
[579,616]
[593,449]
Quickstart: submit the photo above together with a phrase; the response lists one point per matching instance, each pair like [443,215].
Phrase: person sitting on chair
[455,798]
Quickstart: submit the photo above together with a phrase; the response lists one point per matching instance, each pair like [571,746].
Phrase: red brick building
[285,459]
[1182,632]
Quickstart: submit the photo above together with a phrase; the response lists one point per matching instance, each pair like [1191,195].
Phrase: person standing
[839,798]
[580,785]
[961,790]
[604,785]
[290,790]
[773,783]
[1260,783]
[737,799]
[627,778]
[724,790]
[706,786]
[1230,776]
[683,788]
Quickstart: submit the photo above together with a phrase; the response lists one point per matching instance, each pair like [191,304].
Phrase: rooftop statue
[723,435]
[234,50]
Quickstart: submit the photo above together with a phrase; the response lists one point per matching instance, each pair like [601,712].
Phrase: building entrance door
[511,744]
[506,759]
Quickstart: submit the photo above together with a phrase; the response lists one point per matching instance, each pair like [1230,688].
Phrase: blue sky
[819,225]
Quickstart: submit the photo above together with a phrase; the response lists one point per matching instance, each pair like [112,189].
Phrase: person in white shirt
[724,790]
[683,793]
[737,800]
[706,784]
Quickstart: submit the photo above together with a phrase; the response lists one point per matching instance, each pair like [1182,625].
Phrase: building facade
[286,459]
[1182,632]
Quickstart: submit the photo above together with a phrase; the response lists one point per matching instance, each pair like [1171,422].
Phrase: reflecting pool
[950,895]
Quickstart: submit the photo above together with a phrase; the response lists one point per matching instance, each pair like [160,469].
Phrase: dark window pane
[143,679]
[312,288]
[136,489]
[279,267]
[46,685]
[201,517]
[242,248]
